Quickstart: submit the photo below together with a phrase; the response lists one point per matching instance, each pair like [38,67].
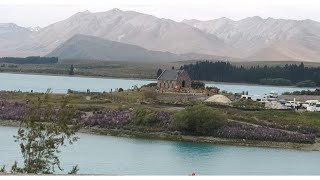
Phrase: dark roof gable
[169,75]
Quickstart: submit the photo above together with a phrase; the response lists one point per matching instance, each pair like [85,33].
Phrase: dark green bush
[197,85]
[144,117]
[149,85]
[198,120]
[303,92]
[276,82]
[306,83]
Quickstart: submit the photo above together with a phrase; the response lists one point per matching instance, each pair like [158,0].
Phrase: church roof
[169,75]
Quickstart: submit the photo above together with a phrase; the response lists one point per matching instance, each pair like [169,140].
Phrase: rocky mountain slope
[90,47]
[11,35]
[266,39]
[127,27]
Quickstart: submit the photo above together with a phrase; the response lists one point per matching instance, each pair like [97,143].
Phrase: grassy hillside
[94,68]
[120,69]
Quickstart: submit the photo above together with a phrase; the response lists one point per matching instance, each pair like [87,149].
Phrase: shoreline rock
[185,138]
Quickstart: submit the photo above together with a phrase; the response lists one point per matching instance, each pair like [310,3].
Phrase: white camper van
[318,107]
[314,107]
[309,103]
[258,98]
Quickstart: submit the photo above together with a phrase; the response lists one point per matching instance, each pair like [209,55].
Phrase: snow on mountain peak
[34,28]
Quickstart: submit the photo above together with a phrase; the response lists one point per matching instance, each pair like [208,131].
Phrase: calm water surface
[122,156]
[256,89]
[61,84]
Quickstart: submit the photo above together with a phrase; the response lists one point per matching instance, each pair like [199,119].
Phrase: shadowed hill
[90,47]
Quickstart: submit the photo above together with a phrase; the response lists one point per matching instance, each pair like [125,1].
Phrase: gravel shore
[195,139]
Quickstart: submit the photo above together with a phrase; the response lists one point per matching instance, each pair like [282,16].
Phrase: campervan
[307,103]
[318,107]
[258,98]
[313,107]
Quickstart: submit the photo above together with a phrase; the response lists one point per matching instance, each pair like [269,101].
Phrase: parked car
[291,104]
[282,101]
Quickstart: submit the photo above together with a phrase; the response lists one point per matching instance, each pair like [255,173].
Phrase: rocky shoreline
[185,138]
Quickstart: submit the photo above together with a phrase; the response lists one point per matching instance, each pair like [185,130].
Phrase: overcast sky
[44,12]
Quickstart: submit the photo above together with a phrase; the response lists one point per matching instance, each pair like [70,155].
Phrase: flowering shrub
[12,111]
[164,118]
[113,118]
[240,131]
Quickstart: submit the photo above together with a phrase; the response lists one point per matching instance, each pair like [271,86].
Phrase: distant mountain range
[266,39]
[11,36]
[85,47]
[128,35]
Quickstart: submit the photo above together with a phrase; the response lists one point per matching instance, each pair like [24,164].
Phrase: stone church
[174,79]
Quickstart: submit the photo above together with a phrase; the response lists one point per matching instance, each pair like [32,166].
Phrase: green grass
[311,119]
[290,118]
[115,69]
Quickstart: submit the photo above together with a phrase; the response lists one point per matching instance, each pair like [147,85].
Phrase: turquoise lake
[61,84]
[123,156]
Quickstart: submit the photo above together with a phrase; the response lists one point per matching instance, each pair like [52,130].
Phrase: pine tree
[71,71]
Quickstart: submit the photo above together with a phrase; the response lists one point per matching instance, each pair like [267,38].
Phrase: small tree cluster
[42,132]
[306,83]
[198,120]
[197,85]
[144,117]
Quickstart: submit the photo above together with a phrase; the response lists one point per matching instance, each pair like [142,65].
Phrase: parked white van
[318,107]
[313,107]
[307,103]
[259,98]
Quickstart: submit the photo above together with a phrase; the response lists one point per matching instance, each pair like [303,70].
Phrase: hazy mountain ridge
[252,38]
[11,36]
[290,39]
[91,47]
[128,27]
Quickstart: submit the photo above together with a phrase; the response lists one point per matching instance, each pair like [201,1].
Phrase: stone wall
[166,84]
[183,76]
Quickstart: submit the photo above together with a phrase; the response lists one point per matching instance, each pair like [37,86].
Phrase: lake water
[61,84]
[123,156]
[256,89]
